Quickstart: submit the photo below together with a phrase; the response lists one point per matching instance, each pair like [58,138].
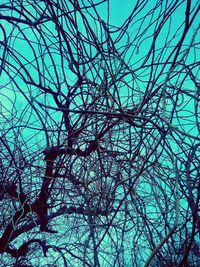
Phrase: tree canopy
[100,133]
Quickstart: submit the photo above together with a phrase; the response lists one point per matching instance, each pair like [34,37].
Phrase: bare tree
[100,131]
